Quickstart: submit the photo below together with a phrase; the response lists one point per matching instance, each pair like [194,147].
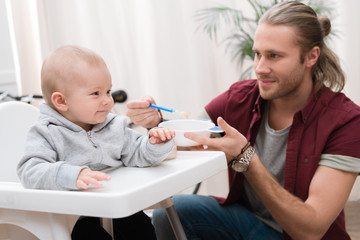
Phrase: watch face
[239,166]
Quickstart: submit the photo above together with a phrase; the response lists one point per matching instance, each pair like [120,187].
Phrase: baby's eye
[95,93]
[108,92]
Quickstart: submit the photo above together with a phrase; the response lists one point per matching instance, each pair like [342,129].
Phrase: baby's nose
[107,100]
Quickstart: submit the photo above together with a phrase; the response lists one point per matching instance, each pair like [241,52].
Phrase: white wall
[347,45]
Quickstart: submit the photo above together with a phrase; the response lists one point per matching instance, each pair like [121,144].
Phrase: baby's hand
[87,176]
[160,135]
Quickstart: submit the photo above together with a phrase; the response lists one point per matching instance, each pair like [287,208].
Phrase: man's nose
[262,66]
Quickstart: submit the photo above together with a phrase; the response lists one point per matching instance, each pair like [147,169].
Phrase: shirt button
[306,160]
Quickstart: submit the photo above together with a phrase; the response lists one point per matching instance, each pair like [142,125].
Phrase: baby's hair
[60,63]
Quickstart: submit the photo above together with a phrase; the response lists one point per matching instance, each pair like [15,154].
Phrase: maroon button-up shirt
[328,124]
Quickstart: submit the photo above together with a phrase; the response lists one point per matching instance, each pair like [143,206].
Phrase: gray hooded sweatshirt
[57,149]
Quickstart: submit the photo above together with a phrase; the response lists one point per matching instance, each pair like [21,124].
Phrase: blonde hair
[59,64]
[311,31]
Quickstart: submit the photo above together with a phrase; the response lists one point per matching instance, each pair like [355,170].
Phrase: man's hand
[231,144]
[141,114]
[160,135]
[87,176]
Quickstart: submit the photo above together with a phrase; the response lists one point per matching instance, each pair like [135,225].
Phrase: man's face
[277,63]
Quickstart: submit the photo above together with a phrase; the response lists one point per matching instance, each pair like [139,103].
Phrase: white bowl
[182,126]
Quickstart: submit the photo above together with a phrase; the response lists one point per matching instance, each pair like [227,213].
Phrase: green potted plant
[239,40]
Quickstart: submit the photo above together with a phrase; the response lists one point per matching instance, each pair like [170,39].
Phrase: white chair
[16,118]
[48,214]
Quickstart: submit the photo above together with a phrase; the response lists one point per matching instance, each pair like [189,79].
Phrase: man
[291,140]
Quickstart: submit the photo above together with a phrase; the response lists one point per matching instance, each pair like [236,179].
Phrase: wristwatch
[242,161]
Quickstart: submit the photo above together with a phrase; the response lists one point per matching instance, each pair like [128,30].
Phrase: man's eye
[274,55]
[257,54]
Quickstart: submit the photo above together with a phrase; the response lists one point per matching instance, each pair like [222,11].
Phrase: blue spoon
[162,108]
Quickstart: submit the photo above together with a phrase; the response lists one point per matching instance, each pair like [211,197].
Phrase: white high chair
[16,118]
[48,214]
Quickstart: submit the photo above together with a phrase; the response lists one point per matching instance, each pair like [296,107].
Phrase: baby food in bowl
[181,126]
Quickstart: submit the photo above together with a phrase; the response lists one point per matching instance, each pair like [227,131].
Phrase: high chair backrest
[16,118]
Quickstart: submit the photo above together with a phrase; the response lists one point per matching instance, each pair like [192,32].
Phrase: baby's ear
[59,101]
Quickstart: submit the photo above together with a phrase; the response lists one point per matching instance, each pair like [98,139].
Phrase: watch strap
[241,162]
[240,154]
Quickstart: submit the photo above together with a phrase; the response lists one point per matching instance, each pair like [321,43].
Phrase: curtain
[151,47]
[27,45]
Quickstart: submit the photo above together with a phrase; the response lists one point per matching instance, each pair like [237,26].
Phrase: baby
[76,136]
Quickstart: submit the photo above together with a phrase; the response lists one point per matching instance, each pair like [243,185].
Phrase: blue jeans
[203,217]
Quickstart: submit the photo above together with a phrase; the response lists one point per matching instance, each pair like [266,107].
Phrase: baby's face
[88,96]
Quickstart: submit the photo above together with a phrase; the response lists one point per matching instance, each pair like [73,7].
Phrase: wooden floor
[352,216]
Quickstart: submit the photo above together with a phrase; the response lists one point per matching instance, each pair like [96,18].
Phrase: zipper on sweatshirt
[90,137]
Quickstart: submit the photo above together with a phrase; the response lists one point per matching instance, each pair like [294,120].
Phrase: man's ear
[312,56]
[59,101]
